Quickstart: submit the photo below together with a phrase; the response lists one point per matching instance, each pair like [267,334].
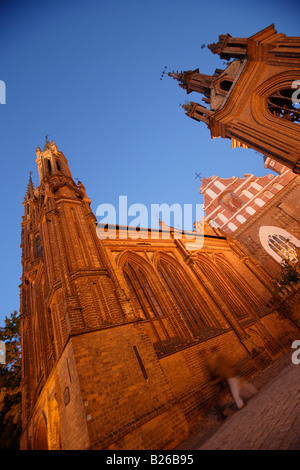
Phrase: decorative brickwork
[116,333]
[262,213]
[252,101]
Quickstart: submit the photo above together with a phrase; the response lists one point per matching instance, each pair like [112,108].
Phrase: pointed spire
[30,186]
[47,143]
[217,47]
[180,76]
[192,80]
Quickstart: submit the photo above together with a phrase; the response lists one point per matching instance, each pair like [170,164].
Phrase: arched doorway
[41,438]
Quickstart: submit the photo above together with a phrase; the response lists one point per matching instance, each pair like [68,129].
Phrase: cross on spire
[47,142]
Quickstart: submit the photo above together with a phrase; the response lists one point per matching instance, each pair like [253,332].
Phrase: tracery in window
[49,166]
[279,243]
[283,247]
[145,299]
[181,297]
[226,85]
[233,292]
[281,104]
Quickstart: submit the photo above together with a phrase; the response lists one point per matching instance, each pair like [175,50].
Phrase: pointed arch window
[49,166]
[145,299]
[283,247]
[39,248]
[282,105]
[232,291]
[181,296]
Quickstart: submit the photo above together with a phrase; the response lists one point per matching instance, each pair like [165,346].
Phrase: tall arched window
[240,284]
[49,166]
[145,299]
[181,295]
[228,286]
[281,104]
[279,243]
[39,248]
[283,247]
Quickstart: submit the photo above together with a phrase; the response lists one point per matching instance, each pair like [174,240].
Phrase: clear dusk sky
[87,73]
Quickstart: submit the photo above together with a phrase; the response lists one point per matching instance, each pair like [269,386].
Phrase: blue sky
[88,74]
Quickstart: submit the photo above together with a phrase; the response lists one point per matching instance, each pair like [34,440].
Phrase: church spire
[192,80]
[47,143]
[30,186]
[228,47]
[51,162]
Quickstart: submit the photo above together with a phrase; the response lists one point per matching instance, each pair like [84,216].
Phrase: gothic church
[116,332]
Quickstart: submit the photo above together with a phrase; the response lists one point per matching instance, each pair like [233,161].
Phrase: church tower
[115,331]
[81,340]
[254,101]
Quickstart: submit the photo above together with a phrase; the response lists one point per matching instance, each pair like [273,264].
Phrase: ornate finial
[180,76]
[187,106]
[47,143]
[30,187]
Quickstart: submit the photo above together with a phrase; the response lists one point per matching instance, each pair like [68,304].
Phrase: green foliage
[288,274]
[10,385]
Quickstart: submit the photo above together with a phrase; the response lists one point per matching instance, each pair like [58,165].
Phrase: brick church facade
[254,101]
[116,332]
[262,213]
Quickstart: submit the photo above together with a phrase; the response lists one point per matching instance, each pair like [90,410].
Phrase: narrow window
[222,217]
[142,367]
[181,297]
[255,185]
[241,219]
[247,193]
[225,85]
[219,185]
[283,247]
[39,249]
